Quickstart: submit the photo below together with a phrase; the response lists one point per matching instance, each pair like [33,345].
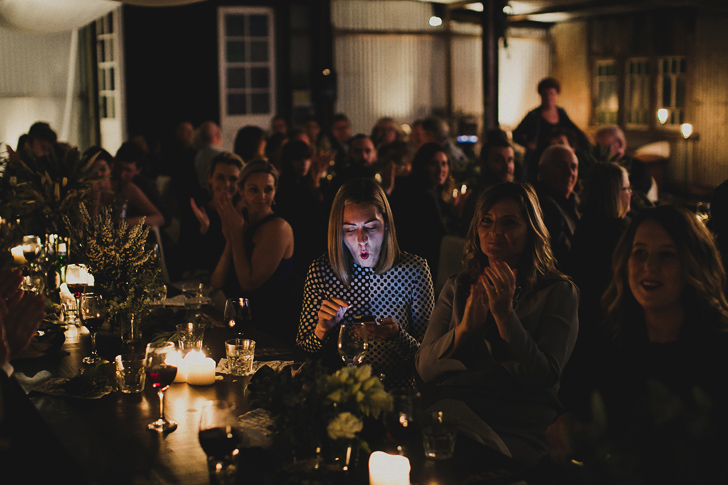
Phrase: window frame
[231,122]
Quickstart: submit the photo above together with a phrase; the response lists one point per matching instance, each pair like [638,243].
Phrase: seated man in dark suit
[558,170]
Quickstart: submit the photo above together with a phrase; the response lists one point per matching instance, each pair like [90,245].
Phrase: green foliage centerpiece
[314,411]
[125,272]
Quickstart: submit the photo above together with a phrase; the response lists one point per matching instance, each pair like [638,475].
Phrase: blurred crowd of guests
[581,295]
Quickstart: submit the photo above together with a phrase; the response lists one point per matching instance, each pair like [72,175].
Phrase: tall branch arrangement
[41,191]
[125,272]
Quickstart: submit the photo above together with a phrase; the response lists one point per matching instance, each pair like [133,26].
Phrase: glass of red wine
[160,362]
[220,439]
[31,248]
[92,312]
[402,423]
[236,316]
[76,280]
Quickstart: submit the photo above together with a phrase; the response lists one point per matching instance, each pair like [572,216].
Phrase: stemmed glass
[220,439]
[92,312]
[76,280]
[353,343]
[402,422]
[161,366]
[31,248]
[237,314]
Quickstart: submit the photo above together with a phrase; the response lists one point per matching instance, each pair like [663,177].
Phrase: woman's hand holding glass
[385,329]
[331,312]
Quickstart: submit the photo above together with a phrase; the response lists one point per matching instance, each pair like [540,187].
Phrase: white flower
[344,425]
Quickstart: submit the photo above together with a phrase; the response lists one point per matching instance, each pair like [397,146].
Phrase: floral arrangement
[125,272]
[314,408]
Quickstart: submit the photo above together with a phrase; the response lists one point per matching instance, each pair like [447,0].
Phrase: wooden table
[109,440]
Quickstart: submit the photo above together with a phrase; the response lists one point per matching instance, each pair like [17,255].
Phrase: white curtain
[49,16]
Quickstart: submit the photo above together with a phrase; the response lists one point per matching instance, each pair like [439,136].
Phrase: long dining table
[106,440]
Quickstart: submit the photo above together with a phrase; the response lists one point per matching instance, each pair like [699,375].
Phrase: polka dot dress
[403,293]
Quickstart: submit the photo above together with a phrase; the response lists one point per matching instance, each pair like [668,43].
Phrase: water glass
[190,336]
[130,373]
[439,430]
[240,355]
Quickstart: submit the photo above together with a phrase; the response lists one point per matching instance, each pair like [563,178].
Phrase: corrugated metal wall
[399,76]
[399,72]
[389,15]
[709,98]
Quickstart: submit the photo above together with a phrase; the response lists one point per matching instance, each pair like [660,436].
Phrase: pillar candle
[178,361]
[18,256]
[200,369]
[387,469]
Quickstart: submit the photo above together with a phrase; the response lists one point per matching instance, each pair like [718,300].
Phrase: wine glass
[237,315]
[161,366]
[402,422]
[220,439]
[92,312]
[353,343]
[76,280]
[31,248]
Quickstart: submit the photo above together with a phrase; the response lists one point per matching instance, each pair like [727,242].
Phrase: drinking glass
[237,315]
[160,362]
[353,343]
[402,423]
[31,248]
[220,439]
[76,280]
[92,312]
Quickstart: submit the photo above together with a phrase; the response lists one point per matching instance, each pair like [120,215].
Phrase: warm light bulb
[686,129]
[662,115]
[435,21]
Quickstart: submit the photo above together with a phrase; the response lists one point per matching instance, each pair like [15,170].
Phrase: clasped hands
[332,311]
[493,291]
[232,220]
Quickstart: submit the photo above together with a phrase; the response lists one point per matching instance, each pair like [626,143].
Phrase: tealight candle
[200,369]
[387,469]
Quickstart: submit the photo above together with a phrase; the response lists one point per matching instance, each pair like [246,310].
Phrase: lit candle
[17,253]
[178,361]
[387,469]
[200,369]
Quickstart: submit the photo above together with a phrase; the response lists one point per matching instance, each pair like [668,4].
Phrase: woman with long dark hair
[503,329]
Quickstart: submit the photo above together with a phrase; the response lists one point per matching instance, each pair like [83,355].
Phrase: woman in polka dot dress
[366,274]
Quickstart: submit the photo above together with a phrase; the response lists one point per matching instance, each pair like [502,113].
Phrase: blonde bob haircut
[257,166]
[702,271]
[360,191]
[536,263]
